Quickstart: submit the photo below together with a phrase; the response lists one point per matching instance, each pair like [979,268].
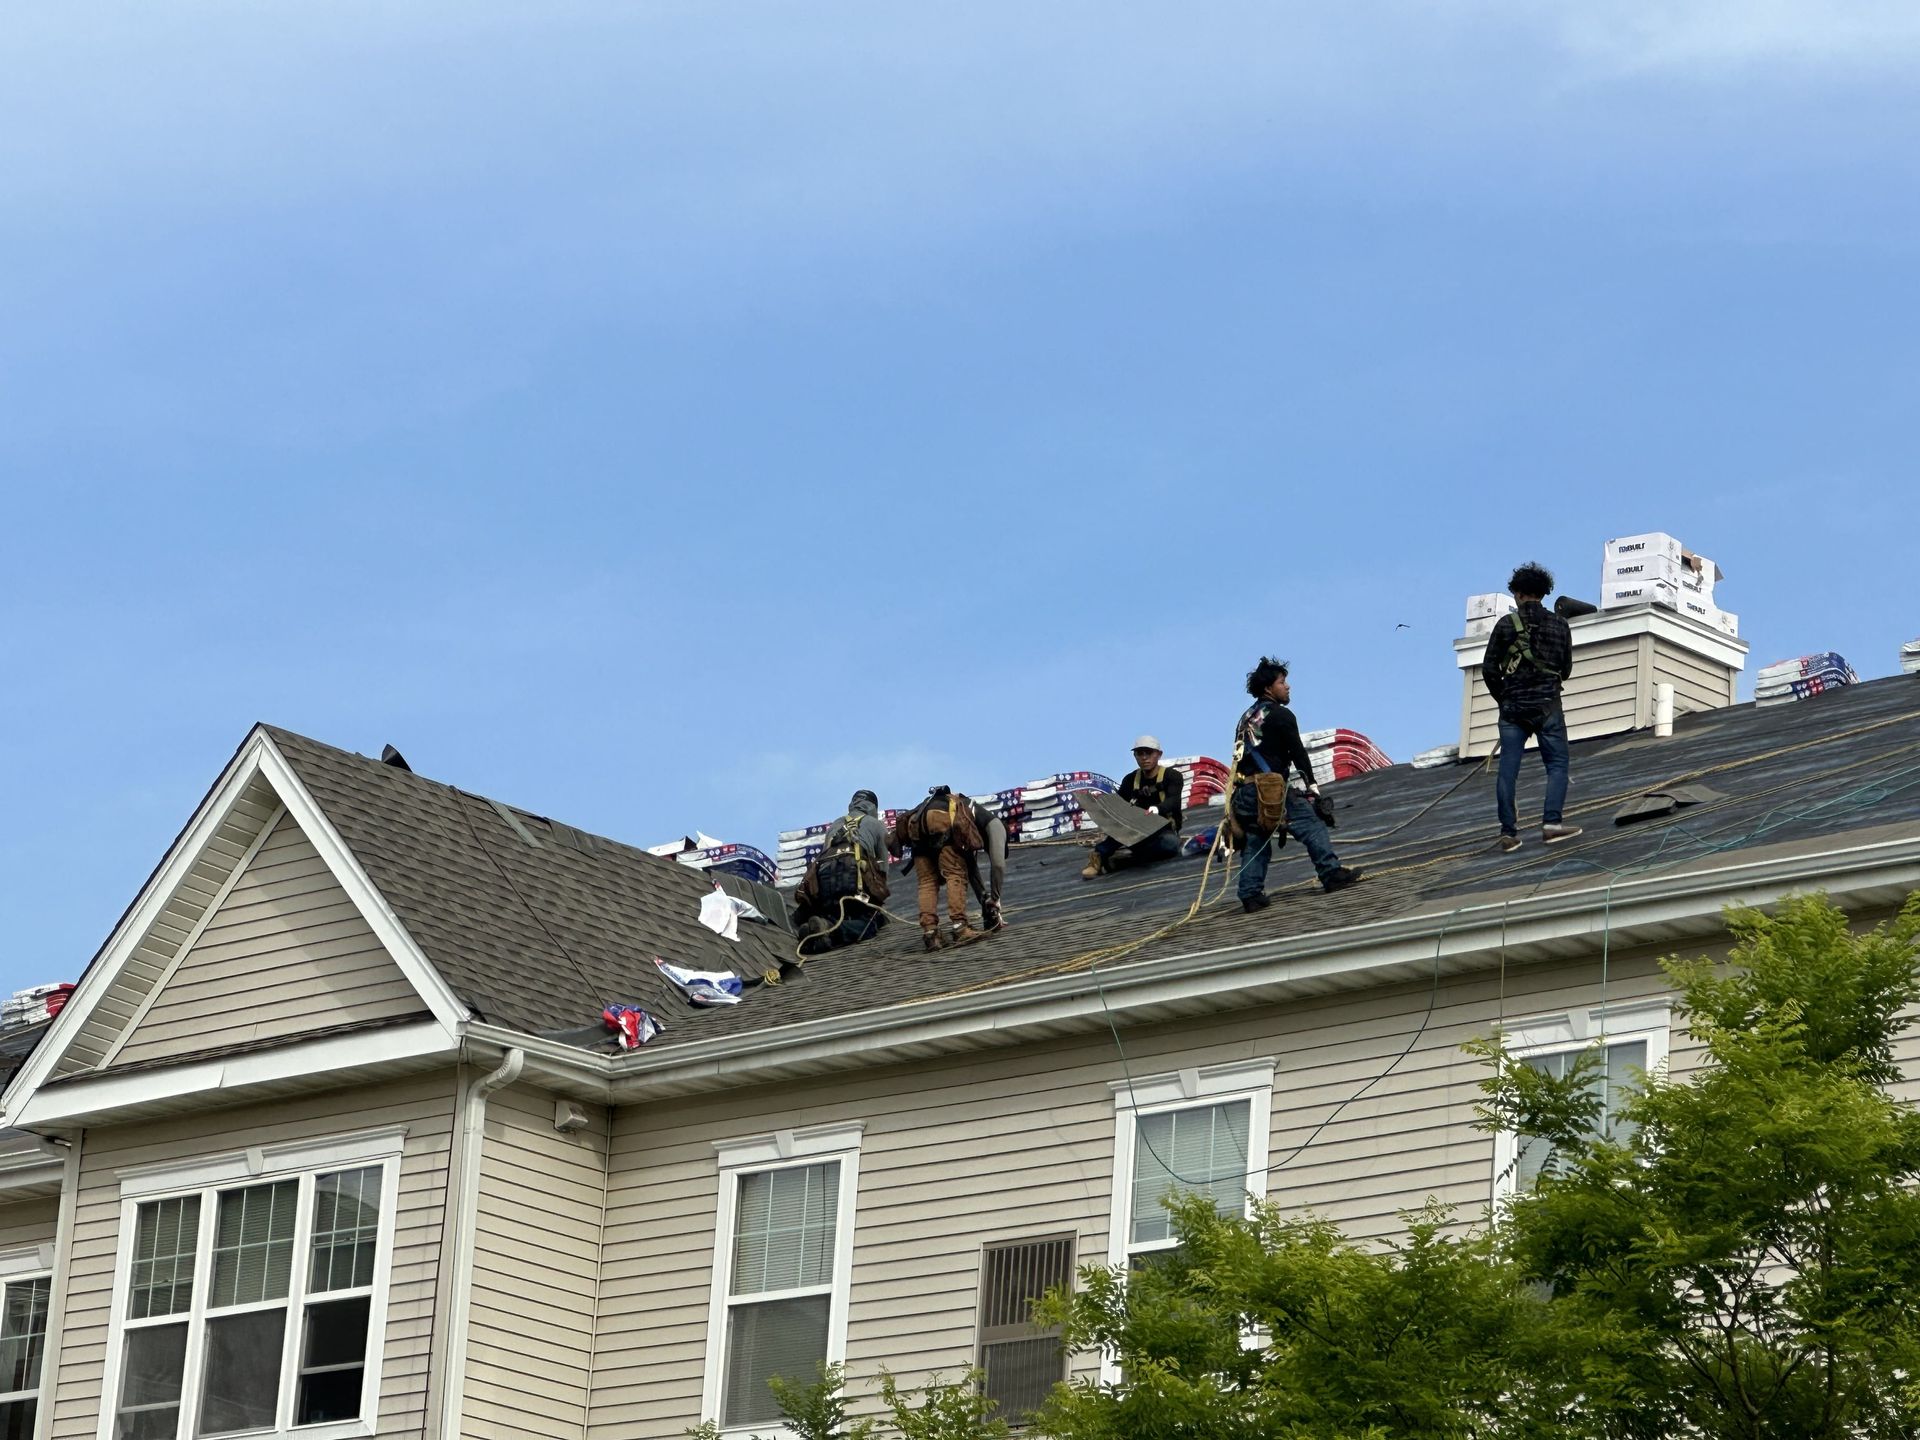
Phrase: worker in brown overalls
[946,832]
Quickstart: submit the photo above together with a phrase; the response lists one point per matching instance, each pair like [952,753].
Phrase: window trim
[22,1265]
[754,1154]
[1192,1089]
[205,1176]
[1570,1032]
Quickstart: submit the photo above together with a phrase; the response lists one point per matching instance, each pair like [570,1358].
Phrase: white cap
[1146,742]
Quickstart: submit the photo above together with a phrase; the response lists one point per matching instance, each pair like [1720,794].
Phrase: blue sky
[675,415]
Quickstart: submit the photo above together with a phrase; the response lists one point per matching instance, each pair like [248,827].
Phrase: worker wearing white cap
[1156,789]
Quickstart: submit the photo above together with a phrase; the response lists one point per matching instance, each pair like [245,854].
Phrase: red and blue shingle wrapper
[633,1026]
[703,987]
[1802,678]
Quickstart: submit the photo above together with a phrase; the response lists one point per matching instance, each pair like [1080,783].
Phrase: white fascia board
[1452,939]
[134,925]
[81,1101]
[447,1007]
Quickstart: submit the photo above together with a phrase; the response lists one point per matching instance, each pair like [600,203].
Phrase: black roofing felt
[541,937]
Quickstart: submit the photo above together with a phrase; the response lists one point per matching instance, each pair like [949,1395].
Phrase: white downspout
[1663,709]
[466,1212]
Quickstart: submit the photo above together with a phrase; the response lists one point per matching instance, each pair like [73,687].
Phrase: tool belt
[1271,791]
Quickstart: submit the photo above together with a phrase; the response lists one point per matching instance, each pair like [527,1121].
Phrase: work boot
[1340,879]
[1251,903]
[1509,843]
[1096,866]
[813,934]
[961,933]
[933,940]
[1554,834]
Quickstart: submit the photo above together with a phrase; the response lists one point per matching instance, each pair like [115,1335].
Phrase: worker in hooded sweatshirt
[1266,745]
[840,901]
[1156,789]
[947,832]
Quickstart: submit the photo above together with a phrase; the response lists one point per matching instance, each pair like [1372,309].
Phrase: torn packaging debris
[722,913]
[703,987]
[633,1026]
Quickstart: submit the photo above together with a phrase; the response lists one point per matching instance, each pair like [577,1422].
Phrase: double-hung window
[1633,1042]
[250,1296]
[783,1254]
[1198,1132]
[25,1291]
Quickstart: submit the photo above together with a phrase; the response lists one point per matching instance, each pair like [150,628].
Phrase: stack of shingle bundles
[798,847]
[33,1005]
[1047,808]
[1484,611]
[1910,658]
[1802,678]
[1205,780]
[1339,753]
[1439,755]
[742,860]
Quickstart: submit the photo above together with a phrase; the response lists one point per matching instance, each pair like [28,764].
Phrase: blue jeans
[1163,844]
[1551,727]
[1257,851]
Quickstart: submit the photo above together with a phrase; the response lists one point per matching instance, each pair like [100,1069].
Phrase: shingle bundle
[798,847]
[1439,755]
[1802,678]
[1339,753]
[1910,658]
[742,860]
[1205,780]
[1044,809]
[33,1005]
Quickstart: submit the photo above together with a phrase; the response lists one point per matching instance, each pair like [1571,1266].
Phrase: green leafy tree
[1748,1263]
[817,1410]
[1282,1329]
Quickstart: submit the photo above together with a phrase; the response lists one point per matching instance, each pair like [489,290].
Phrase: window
[1020,1362]
[1635,1043]
[782,1261]
[250,1299]
[1197,1132]
[24,1297]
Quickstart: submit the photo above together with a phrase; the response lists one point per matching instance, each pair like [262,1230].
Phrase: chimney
[1620,659]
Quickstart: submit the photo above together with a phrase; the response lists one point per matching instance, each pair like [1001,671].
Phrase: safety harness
[1520,650]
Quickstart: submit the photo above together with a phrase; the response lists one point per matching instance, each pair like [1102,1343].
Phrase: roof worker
[1266,743]
[1156,789]
[840,901]
[1529,655]
[947,831]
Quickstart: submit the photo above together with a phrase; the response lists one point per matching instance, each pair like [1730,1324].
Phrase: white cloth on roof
[722,913]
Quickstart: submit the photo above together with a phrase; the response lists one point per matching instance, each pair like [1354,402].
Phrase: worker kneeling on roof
[1265,807]
[840,900]
[1156,789]
[947,831]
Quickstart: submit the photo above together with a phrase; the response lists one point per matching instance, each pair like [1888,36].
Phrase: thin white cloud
[1668,36]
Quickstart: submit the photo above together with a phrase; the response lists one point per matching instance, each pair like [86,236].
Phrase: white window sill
[331,1430]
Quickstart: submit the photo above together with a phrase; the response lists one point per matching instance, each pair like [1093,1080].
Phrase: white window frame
[1195,1089]
[205,1177]
[1568,1033]
[22,1265]
[781,1150]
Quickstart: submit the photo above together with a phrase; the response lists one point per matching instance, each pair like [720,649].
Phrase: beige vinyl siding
[158,948]
[29,1222]
[965,1150]
[1599,698]
[536,1270]
[287,951]
[425,1106]
[1698,683]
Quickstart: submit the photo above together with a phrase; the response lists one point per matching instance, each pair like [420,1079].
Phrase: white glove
[1153,809]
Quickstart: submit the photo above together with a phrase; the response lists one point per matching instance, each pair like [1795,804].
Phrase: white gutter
[466,1213]
[1446,936]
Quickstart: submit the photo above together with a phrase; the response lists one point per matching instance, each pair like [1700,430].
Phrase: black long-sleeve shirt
[1552,645]
[1160,791]
[1269,727]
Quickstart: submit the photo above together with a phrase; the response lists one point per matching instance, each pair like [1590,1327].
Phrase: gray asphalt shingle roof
[541,936]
